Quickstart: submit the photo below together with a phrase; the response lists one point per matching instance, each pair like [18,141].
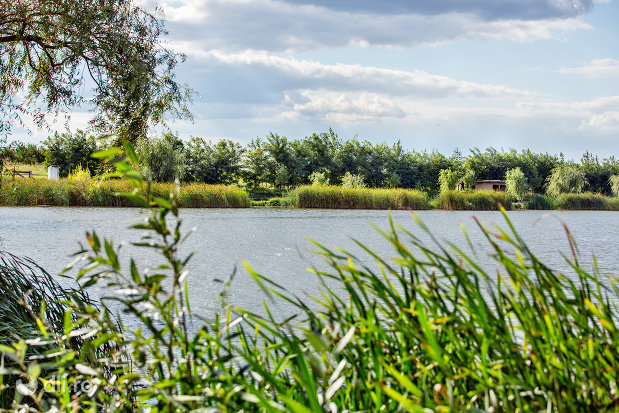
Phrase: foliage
[217,163]
[538,202]
[162,160]
[282,177]
[70,151]
[19,152]
[587,201]
[566,179]
[516,183]
[352,181]
[52,49]
[448,180]
[393,181]
[319,179]
[358,198]
[81,190]
[468,179]
[429,329]
[613,181]
[474,201]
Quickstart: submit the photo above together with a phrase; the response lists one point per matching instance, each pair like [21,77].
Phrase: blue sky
[435,74]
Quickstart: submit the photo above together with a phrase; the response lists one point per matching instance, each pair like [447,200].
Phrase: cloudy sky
[435,74]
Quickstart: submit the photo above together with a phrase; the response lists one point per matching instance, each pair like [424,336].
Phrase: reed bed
[538,202]
[94,192]
[474,200]
[335,197]
[588,201]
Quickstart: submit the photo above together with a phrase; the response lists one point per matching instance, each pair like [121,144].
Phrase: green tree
[52,51]
[218,163]
[319,179]
[162,160]
[613,181]
[352,181]
[516,183]
[468,179]
[447,180]
[70,150]
[566,179]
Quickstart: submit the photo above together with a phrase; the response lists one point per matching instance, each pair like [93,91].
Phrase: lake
[274,241]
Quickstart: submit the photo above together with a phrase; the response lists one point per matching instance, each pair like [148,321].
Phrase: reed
[474,200]
[428,329]
[334,197]
[587,201]
[539,202]
[95,192]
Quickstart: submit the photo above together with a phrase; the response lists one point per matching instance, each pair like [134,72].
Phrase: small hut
[491,185]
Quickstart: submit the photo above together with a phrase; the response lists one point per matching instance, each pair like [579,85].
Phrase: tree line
[282,162]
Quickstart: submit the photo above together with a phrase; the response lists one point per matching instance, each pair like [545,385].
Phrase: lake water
[274,241]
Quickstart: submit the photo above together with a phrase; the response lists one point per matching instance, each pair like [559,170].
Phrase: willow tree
[103,55]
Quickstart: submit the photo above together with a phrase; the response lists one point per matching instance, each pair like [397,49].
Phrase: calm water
[274,241]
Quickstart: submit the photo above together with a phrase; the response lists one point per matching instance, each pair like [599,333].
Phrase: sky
[434,74]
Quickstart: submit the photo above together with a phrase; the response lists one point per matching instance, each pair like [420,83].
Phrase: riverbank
[85,191]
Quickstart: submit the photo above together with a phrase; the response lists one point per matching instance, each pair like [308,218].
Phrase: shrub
[352,181]
[447,180]
[319,179]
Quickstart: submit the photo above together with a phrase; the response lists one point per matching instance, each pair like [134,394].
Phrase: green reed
[588,201]
[474,200]
[335,197]
[426,330]
[104,192]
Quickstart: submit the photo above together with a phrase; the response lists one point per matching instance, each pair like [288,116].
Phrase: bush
[566,179]
[474,200]
[352,181]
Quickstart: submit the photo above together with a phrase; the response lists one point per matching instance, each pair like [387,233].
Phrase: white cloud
[596,68]
[284,74]
[276,26]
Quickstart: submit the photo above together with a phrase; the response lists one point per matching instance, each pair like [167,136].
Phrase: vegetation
[587,201]
[566,179]
[429,330]
[613,181]
[51,49]
[358,198]
[81,190]
[474,200]
[516,183]
[538,201]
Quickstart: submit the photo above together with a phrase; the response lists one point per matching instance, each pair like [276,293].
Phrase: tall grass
[427,329]
[334,197]
[587,201]
[539,202]
[85,191]
[474,200]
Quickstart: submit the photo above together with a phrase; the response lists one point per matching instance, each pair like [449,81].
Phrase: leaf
[107,154]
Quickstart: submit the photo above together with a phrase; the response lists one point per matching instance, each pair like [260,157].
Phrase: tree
[70,151]
[319,179]
[163,160]
[213,163]
[613,181]
[468,179]
[447,180]
[516,183]
[352,181]
[566,179]
[52,50]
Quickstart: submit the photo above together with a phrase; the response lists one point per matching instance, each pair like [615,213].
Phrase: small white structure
[53,172]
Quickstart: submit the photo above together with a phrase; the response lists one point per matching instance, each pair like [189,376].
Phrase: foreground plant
[428,329]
